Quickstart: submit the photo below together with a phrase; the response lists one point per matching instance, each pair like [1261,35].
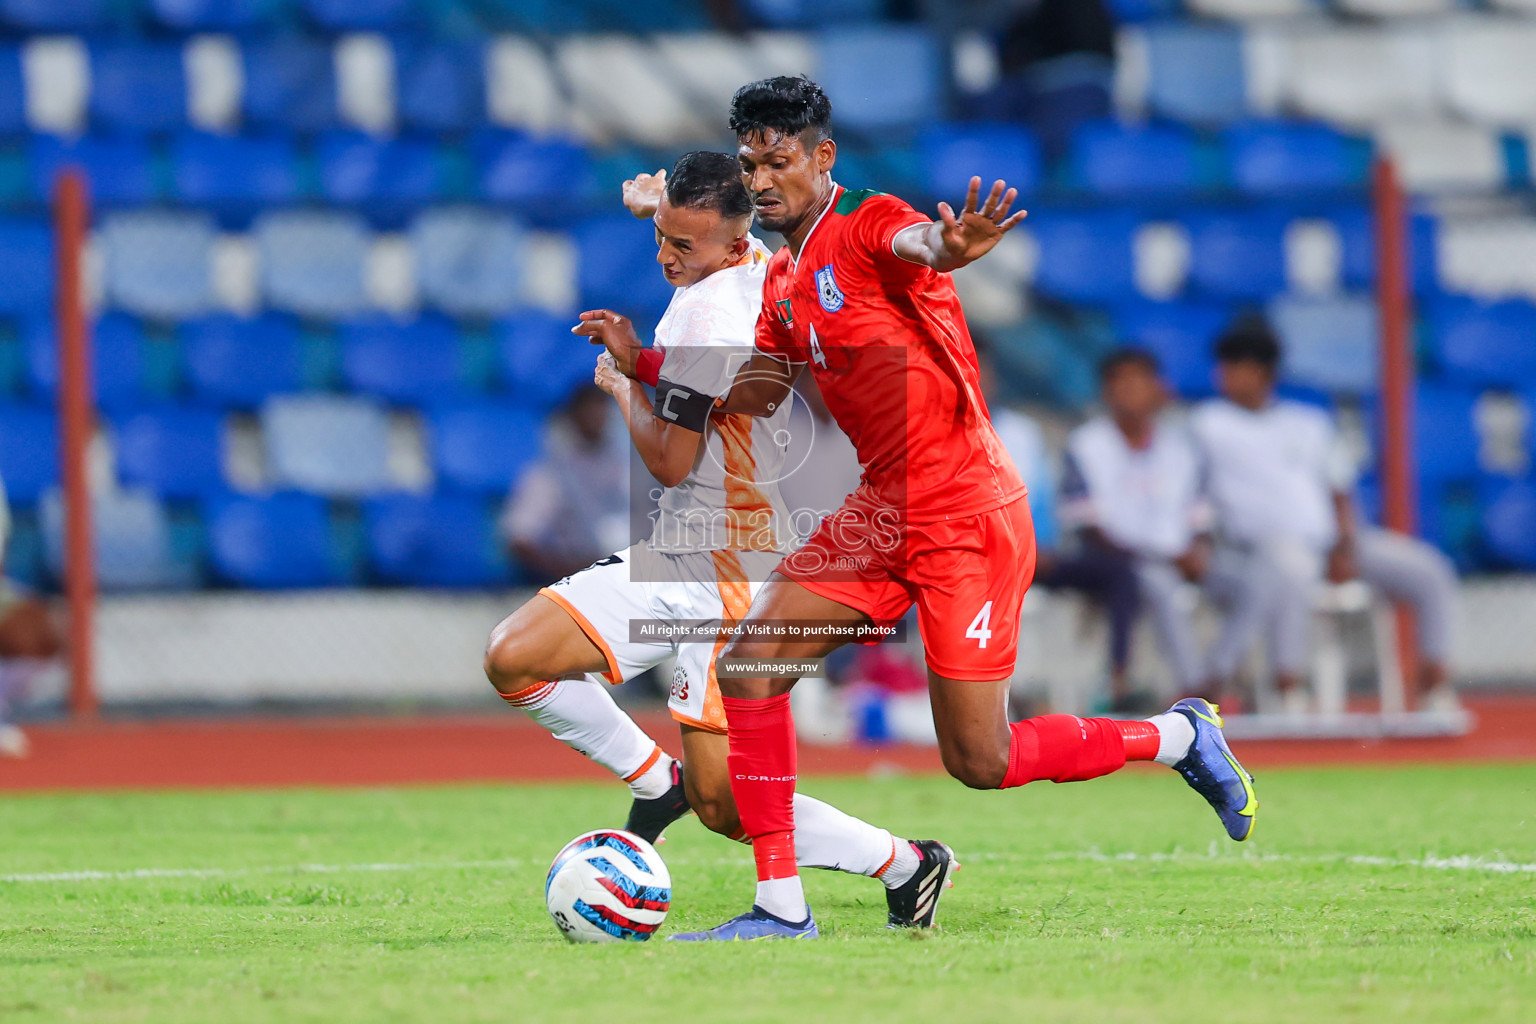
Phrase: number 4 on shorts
[980,628]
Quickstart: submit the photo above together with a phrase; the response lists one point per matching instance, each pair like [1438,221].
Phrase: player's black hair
[702,180]
[789,105]
[1129,355]
[1249,339]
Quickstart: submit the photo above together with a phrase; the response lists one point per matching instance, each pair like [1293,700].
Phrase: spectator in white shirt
[1133,482]
[1280,481]
[29,641]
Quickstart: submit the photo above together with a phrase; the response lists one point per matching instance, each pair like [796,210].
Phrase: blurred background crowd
[337,245]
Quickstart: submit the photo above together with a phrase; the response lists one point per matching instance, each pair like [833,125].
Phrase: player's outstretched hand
[972,235]
[615,333]
[642,194]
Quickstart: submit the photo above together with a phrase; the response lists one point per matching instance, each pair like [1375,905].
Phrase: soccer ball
[608,886]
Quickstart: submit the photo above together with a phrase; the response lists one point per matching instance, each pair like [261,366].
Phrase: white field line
[1458,863]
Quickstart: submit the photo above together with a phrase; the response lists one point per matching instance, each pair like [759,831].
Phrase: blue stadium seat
[483,447]
[273,542]
[1181,335]
[158,262]
[1509,524]
[1086,257]
[953,153]
[290,83]
[469,261]
[13,107]
[29,454]
[440,87]
[344,15]
[358,168]
[327,444]
[234,362]
[542,360]
[1197,72]
[814,13]
[174,452]
[57,15]
[132,538]
[215,169]
[1445,434]
[26,266]
[411,363]
[138,87]
[1486,344]
[117,359]
[881,76]
[117,169]
[312,261]
[206,15]
[1357,230]
[1120,160]
[1142,10]
[1237,255]
[527,170]
[1269,158]
[1330,342]
[618,269]
[446,540]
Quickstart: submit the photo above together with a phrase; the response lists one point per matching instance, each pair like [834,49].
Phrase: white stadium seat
[1489,69]
[56,71]
[327,444]
[1493,258]
[365,82]
[215,82]
[622,89]
[1360,75]
[521,88]
[1396,8]
[1433,156]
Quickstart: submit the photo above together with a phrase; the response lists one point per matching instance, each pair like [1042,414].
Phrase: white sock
[825,837]
[1175,735]
[783,898]
[581,713]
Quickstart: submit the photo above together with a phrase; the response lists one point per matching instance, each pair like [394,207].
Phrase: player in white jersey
[719,531]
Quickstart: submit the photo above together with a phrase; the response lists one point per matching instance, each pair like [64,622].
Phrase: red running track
[271,752]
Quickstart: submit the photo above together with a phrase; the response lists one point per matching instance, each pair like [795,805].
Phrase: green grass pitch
[1403,894]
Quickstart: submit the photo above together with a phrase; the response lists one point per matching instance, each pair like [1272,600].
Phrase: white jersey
[730,500]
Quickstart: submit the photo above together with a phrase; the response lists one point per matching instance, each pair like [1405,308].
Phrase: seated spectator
[1104,574]
[28,641]
[1409,571]
[572,507]
[1133,484]
[1279,479]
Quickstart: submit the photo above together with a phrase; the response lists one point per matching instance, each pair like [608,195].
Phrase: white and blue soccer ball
[608,886]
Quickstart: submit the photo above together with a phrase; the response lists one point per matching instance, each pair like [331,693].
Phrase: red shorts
[967,577]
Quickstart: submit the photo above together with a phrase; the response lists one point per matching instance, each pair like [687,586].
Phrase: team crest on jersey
[679,684]
[786,314]
[827,290]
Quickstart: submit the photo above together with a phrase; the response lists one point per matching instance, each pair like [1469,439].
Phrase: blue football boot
[1212,771]
[756,923]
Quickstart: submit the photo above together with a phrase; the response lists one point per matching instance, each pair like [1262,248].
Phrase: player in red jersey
[862,295]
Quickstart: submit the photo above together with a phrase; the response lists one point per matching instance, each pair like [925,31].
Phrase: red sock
[1141,740]
[762,764]
[1063,748]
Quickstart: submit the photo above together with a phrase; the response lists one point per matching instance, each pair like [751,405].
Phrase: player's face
[1245,382]
[692,244]
[787,181]
[1133,392]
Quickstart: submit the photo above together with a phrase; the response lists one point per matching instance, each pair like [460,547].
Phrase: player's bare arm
[761,386]
[615,333]
[952,242]
[667,449]
[642,194]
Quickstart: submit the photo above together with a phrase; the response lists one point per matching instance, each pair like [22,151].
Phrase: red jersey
[888,345]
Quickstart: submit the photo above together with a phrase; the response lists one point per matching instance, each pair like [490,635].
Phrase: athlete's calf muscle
[537,643]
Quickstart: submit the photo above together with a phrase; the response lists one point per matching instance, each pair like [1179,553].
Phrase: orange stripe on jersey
[748,512]
[614,674]
[735,600]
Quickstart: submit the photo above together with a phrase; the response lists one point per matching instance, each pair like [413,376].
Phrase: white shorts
[614,599]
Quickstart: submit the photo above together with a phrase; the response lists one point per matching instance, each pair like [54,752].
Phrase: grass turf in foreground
[1116,900]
